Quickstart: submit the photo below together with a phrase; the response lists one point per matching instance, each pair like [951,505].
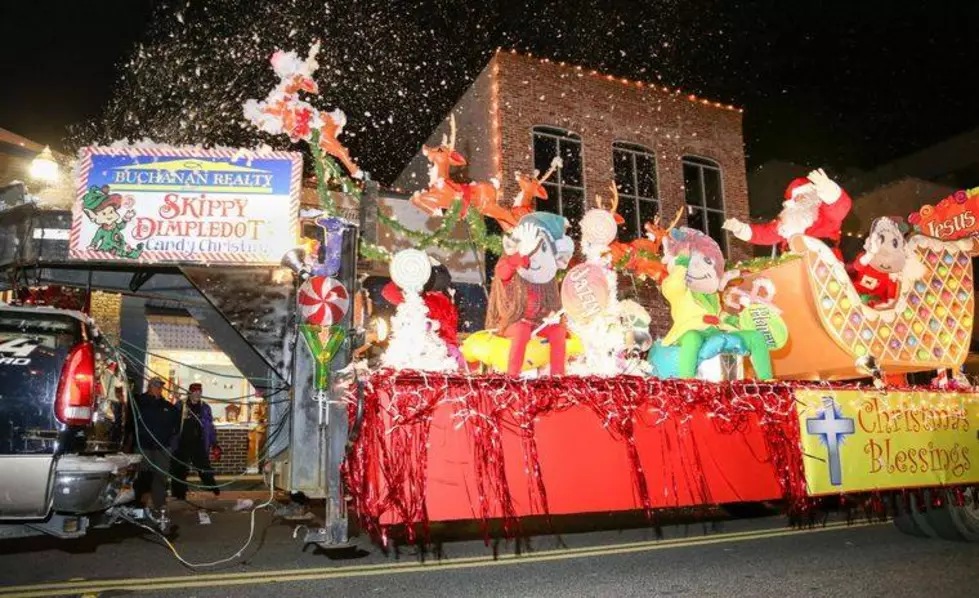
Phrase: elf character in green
[102,208]
[692,288]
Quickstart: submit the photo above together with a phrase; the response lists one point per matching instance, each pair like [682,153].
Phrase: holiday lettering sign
[857,440]
[955,217]
[185,205]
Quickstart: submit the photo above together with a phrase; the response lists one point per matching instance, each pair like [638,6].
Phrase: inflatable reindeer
[333,123]
[640,256]
[482,196]
[531,189]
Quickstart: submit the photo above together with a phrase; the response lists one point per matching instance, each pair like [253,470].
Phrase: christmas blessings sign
[186,205]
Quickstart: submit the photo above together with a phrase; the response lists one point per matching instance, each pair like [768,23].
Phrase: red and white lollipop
[323,301]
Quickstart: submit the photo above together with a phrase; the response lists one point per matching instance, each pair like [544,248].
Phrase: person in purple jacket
[194,443]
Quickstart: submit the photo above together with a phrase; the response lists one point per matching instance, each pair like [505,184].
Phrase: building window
[566,188]
[705,197]
[635,178]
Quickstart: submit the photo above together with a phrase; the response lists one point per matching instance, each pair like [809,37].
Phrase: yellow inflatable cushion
[494,351]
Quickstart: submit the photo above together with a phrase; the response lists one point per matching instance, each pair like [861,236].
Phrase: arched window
[635,178]
[705,197]
[566,188]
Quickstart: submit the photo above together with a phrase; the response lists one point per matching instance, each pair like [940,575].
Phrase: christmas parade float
[777,380]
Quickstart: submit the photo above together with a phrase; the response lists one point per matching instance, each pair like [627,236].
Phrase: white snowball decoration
[410,269]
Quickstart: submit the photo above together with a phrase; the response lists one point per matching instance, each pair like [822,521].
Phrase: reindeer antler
[679,214]
[555,164]
[615,197]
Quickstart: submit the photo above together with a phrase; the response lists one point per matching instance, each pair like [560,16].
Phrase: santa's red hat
[795,187]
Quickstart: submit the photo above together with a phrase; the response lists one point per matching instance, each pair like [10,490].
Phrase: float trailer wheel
[964,519]
[947,521]
[904,521]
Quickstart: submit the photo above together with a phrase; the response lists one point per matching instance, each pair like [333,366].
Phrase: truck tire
[919,514]
[903,520]
[965,518]
[940,518]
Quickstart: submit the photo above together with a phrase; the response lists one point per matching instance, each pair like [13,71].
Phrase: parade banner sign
[860,440]
[955,217]
[186,205]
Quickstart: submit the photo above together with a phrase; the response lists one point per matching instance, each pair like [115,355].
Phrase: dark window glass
[635,178]
[691,185]
[646,175]
[545,148]
[565,189]
[695,219]
[553,201]
[570,170]
[572,208]
[629,229]
[647,211]
[712,188]
[624,172]
[704,195]
[714,222]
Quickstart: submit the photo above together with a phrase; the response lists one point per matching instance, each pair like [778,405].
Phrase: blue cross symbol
[832,426]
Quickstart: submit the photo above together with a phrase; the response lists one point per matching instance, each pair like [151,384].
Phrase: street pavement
[743,558]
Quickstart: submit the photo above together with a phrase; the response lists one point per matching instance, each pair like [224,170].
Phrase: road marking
[324,573]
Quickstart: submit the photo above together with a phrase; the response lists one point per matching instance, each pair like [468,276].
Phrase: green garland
[480,236]
[327,170]
[441,236]
[374,253]
[763,263]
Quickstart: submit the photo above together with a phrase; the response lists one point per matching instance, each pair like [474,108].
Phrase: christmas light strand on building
[638,84]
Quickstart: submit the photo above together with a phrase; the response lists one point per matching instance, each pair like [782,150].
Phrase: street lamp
[44,167]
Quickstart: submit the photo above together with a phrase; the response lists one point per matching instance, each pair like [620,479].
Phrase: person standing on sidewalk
[197,437]
[155,420]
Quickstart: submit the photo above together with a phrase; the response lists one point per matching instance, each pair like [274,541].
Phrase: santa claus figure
[814,206]
[877,270]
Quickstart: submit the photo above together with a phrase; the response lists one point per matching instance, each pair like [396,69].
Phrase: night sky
[845,84]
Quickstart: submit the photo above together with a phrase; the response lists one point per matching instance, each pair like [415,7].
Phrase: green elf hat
[554,225]
[96,199]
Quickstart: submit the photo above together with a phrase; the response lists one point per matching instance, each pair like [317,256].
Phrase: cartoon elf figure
[876,273]
[103,209]
[525,293]
[692,288]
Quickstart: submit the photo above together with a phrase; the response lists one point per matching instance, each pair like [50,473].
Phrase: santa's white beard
[797,217]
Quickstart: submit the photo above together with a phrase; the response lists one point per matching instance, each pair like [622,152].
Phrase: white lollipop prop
[598,227]
[410,269]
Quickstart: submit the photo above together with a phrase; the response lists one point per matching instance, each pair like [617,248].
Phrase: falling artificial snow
[198,68]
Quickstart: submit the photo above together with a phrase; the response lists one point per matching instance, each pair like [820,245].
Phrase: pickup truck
[61,468]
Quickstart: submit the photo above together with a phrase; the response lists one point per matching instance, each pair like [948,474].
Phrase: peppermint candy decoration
[323,301]
[598,228]
[410,269]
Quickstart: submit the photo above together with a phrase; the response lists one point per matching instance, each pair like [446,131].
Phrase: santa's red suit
[826,225]
[875,286]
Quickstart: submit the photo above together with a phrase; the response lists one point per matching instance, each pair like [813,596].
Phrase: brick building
[664,149]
